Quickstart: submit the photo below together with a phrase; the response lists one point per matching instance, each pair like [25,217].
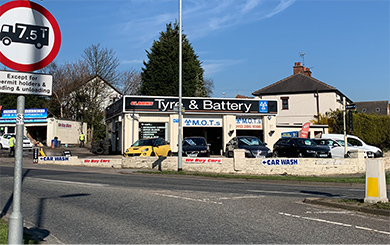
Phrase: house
[97,89]
[378,108]
[301,97]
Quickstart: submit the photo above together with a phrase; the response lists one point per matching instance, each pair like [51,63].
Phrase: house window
[284,103]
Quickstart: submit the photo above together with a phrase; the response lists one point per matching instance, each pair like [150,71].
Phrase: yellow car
[149,147]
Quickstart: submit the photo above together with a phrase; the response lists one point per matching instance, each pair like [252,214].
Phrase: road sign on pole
[30,39]
[25,83]
[29,34]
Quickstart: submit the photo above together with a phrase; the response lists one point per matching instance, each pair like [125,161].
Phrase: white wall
[67,131]
[303,107]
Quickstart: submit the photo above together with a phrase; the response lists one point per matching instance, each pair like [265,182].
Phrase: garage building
[217,119]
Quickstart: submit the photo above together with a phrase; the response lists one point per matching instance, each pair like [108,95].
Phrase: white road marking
[239,197]
[69,182]
[283,192]
[206,200]
[334,223]
[329,212]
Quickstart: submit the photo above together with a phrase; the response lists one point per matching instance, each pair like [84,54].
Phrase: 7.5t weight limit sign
[30,36]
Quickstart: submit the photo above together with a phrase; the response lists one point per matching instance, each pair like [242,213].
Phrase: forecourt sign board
[25,83]
[30,36]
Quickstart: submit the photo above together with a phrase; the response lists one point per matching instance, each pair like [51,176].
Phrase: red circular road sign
[30,37]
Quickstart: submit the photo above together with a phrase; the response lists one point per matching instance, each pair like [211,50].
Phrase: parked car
[252,145]
[336,146]
[369,150]
[4,142]
[149,147]
[196,147]
[299,147]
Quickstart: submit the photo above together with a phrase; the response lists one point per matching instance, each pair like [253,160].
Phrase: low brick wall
[75,161]
[268,166]
[237,165]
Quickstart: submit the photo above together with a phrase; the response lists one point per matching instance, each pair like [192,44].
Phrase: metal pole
[345,128]
[15,229]
[180,136]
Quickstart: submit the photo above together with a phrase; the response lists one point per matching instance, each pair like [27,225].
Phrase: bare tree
[102,62]
[130,82]
[209,86]
[66,79]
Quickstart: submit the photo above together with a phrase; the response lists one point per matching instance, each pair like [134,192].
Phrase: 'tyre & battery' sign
[25,83]
[198,105]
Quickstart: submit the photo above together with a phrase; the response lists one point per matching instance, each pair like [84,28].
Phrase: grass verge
[360,202]
[4,234]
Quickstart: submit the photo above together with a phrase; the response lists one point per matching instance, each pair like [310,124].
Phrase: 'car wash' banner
[200,105]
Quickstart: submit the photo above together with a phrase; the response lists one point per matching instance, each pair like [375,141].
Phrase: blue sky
[244,45]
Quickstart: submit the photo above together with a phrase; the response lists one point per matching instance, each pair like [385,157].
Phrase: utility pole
[180,136]
[15,229]
[345,128]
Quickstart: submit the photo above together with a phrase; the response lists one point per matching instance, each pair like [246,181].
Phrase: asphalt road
[88,205]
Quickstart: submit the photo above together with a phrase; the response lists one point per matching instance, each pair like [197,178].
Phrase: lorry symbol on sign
[23,33]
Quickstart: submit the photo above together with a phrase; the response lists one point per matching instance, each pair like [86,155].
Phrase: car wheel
[169,153]
[275,154]
[152,154]
[300,154]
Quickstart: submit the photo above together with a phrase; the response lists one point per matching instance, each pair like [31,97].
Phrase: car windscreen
[144,142]
[306,142]
[194,142]
[341,142]
[252,141]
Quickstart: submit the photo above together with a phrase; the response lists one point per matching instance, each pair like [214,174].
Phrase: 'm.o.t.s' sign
[30,36]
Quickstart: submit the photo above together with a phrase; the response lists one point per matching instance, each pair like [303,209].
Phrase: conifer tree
[160,76]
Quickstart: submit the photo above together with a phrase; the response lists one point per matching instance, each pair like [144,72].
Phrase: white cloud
[214,66]
[200,17]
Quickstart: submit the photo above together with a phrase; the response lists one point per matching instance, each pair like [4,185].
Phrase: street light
[180,136]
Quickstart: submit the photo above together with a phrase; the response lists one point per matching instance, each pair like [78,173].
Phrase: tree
[334,119]
[130,82]
[372,129]
[209,86]
[102,62]
[160,76]
[66,79]
[9,101]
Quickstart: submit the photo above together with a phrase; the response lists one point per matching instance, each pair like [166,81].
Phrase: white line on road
[240,197]
[69,182]
[283,192]
[188,198]
[329,212]
[334,223]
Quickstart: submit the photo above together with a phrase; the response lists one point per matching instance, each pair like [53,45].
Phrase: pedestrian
[12,146]
[82,139]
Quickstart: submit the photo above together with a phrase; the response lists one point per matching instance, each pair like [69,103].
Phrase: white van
[369,150]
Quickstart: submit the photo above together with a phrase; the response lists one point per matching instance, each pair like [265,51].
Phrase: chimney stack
[299,68]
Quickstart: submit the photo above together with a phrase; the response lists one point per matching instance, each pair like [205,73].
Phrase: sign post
[30,40]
